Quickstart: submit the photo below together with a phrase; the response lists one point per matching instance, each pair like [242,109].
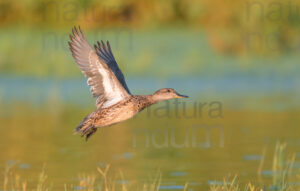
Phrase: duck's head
[166,94]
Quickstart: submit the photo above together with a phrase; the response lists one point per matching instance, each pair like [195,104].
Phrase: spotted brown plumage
[114,102]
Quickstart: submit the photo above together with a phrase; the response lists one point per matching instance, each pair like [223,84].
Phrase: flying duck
[114,102]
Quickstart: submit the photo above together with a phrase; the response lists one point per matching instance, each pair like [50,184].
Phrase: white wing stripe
[108,85]
[106,82]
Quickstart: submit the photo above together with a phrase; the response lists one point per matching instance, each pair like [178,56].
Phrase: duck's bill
[181,96]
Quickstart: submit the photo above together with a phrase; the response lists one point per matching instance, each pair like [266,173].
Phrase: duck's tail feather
[86,127]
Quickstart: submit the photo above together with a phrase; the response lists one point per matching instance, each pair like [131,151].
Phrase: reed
[282,167]
[104,180]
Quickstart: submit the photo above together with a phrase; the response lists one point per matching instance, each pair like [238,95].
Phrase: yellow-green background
[241,54]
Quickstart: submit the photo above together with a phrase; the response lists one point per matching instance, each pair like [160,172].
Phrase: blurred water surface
[238,105]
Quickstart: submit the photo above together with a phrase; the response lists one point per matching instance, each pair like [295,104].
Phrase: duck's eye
[168,91]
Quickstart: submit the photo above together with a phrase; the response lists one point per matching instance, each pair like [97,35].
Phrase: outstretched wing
[101,79]
[105,53]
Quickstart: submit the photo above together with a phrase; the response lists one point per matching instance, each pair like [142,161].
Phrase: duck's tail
[86,127]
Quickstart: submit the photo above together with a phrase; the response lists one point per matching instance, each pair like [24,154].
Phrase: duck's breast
[115,114]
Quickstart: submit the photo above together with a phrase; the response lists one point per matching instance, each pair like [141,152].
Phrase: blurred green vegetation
[233,14]
[147,35]
[159,53]
[256,38]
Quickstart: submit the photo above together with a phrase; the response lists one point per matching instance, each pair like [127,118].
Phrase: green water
[184,148]
[200,145]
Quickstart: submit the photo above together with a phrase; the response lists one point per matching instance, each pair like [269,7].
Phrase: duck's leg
[86,127]
[90,133]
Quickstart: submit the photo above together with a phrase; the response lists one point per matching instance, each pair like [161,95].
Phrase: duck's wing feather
[105,53]
[101,79]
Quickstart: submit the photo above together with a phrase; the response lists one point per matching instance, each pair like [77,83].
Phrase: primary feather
[105,79]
